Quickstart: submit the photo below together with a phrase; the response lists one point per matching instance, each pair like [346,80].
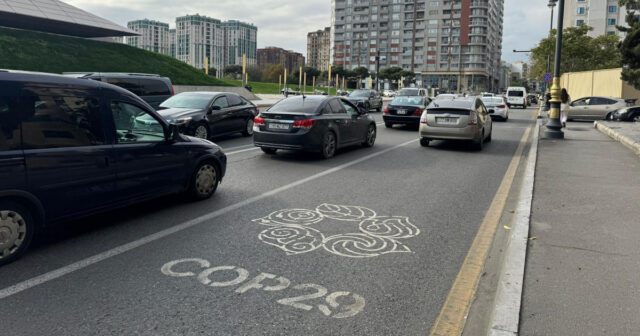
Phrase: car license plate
[447,121]
[277,126]
[402,112]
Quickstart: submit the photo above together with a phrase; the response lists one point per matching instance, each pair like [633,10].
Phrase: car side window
[9,123]
[350,110]
[130,84]
[154,87]
[234,100]
[135,125]
[337,107]
[580,102]
[221,102]
[52,120]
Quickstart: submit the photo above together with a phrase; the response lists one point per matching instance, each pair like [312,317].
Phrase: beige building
[199,37]
[602,15]
[154,35]
[319,49]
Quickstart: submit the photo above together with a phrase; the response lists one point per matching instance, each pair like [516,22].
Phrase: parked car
[594,107]
[405,110]
[497,107]
[319,92]
[73,147]
[516,96]
[289,91]
[314,123]
[370,99]
[207,114]
[533,99]
[342,92]
[412,92]
[626,114]
[458,119]
[389,93]
[446,96]
[153,89]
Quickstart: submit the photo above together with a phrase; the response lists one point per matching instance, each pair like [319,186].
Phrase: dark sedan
[313,123]
[405,110]
[626,114]
[206,114]
[370,99]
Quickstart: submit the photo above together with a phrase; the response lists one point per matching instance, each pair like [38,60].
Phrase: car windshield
[408,92]
[492,101]
[515,93]
[359,93]
[297,104]
[415,101]
[445,96]
[187,100]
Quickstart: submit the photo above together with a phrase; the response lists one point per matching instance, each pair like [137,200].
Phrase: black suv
[71,147]
[154,89]
[369,99]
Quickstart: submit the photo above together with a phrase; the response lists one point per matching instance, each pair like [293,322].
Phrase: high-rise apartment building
[199,37]
[172,43]
[319,49]
[602,15]
[450,44]
[289,59]
[240,38]
[154,35]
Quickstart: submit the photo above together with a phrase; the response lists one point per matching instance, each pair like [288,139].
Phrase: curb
[505,316]
[625,140]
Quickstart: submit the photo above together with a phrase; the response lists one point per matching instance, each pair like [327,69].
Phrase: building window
[434,4]
[579,22]
[611,33]
[613,9]
[611,22]
[581,10]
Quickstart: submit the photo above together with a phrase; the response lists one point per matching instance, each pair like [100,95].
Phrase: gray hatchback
[458,119]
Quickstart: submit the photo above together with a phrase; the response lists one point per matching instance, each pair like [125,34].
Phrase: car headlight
[182,121]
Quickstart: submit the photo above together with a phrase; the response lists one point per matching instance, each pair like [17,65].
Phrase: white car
[497,107]
[389,93]
[517,96]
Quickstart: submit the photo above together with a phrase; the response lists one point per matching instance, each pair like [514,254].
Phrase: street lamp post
[554,128]
[552,5]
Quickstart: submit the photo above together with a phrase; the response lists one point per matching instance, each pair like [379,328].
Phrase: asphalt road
[373,238]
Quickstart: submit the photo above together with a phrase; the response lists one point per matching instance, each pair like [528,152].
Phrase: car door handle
[339,121]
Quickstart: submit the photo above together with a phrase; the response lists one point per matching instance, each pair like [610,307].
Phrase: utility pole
[554,127]
[377,69]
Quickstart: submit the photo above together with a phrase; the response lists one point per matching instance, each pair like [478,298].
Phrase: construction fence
[605,83]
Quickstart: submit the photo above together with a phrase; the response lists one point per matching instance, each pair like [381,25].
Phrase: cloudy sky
[285,23]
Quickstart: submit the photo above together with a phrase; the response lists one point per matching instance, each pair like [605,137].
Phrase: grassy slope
[272,88]
[33,51]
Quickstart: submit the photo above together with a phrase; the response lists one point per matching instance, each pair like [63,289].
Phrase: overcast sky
[285,23]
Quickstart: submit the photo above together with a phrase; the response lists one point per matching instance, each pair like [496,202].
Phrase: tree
[580,52]
[272,73]
[360,73]
[212,71]
[233,71]
[630,46]
[254,73]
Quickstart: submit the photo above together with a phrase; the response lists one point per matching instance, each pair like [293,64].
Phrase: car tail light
[306,123]
[423,120]
[474,118]
[417,112]
[386,110]
[258,121]
[501,106]
[173,92]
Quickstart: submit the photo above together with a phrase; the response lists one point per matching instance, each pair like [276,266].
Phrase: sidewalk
[582,274]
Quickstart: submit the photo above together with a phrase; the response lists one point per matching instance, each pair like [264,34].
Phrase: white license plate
[402,112]
[447,121]
[278,126]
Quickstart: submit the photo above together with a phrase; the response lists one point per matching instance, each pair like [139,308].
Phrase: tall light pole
[552,5]
[554,128]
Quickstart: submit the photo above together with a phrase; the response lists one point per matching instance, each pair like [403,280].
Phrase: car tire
[269,150]
[202,131]
[609,116]
[424,142]
[388,125]
[488,139]
[204,180]
[370,137]
[367,106]
[17,226]
[248,128]
[379,109]
[329,145]
[478,144]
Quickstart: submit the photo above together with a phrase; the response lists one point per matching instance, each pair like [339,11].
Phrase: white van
[517,96]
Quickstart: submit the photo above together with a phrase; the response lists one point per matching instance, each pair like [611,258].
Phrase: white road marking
[242,151]
[237,147]
[62,271]
[290,230]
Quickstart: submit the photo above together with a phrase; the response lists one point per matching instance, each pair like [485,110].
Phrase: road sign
[547,77]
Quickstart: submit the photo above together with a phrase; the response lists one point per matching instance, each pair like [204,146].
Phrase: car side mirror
[173,133]
[214,108]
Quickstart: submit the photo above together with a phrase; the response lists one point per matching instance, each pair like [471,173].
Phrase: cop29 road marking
[332,308]
[62,271]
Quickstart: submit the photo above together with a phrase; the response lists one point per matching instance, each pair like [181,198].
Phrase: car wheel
[424,142]
[609,116]
[379,109]
[506,117]
[370,137]
[367,106]
[636,118]
[388,125]
[478,144]
[248,128]
[488,139]
[328,145]
[17,226]
[201,131]
[205,180]
[268,150]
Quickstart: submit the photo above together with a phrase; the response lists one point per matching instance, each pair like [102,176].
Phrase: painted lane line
[243,150]
[237,147]
[453,314]
[506,308]
[57,273]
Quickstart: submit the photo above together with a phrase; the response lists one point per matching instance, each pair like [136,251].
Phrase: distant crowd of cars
[75,145]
